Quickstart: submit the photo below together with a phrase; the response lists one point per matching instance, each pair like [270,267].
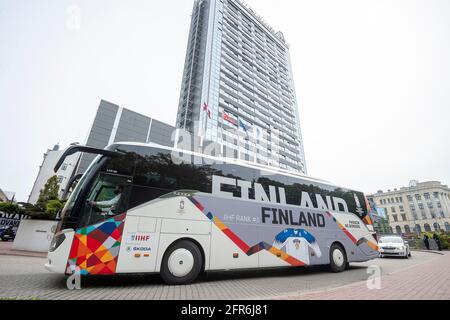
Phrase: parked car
[393,245]
[7,233]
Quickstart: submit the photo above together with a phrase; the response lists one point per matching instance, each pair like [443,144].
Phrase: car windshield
[391,240]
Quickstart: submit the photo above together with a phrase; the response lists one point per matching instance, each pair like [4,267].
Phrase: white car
[393,245]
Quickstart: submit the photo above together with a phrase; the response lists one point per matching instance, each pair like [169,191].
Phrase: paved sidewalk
[6,249]
[427,281]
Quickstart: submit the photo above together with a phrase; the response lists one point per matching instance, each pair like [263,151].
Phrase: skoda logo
[182,205]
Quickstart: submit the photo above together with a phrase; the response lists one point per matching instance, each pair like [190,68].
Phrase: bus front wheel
[182,263]
[338,258]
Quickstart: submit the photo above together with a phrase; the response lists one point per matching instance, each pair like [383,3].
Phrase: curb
[430,251]
[22,254]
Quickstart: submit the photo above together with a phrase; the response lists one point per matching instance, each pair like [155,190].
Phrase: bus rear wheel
[182,263]
[338,258]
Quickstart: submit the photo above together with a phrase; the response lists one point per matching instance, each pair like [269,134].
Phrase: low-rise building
[112,123]
[422,206]
[51,157]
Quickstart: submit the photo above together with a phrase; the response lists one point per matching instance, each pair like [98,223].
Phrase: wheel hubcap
[180,262]
[338,257]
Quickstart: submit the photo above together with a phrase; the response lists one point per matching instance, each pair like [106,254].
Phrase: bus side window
[153,178]
[267,179]
[235,172]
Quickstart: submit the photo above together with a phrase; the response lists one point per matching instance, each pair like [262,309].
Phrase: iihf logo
[140,237]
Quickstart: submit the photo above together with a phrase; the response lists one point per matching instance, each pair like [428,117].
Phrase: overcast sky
[372,80]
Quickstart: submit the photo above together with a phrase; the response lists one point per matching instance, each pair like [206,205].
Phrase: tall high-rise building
[238,89]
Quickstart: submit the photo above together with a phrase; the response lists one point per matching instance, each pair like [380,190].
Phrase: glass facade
[238,89]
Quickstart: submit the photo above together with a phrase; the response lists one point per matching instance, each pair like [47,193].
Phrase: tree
[10,208]
[49,192]
[52,207]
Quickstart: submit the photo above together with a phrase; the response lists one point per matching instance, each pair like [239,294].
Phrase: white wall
[34,235]
[51,157]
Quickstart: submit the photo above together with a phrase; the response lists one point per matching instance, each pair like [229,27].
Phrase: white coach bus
[143,208]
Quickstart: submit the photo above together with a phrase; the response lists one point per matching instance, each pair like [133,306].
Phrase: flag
[257,133]
[243,126]
[206,109]
[227,117]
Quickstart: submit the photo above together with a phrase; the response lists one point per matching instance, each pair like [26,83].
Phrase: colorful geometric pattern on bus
[244,246]
[95,248]
[357,242]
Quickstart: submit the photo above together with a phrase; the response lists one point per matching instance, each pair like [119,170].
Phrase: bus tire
[338,258]
[182,263]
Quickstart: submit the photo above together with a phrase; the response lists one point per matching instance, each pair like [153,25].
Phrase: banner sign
[11,219]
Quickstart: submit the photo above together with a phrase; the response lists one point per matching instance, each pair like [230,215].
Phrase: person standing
[426,242]
[438,241]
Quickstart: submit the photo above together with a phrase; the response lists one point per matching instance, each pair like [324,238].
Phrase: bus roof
[228,160]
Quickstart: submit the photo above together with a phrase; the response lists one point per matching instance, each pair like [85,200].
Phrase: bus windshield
[68,208]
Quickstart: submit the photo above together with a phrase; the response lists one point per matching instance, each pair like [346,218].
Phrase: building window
[415,216]
[404,217]
[439,204]
[393,209]
[436,226]
[407,229]
[427,228]
[401,208]
[426,195]
[436,195]
[395,217]
[424,215]
[418,197]
[410,198]
[412,207]
[418,228]
[398,230]
[430,205]
[447,226]
[421,207]
[442,214]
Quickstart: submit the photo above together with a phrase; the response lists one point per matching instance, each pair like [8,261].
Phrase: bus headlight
[56,242]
